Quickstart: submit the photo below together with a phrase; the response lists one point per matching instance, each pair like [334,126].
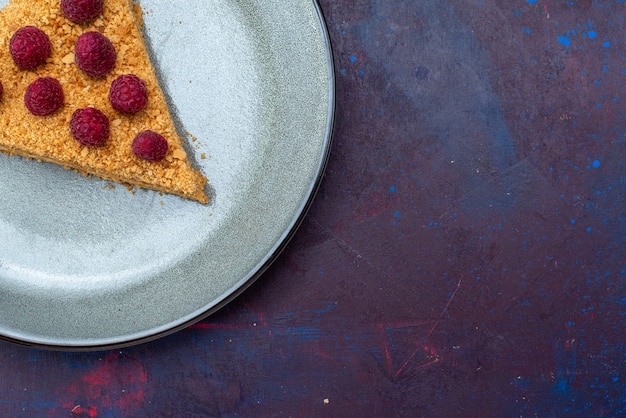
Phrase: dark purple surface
[464,257]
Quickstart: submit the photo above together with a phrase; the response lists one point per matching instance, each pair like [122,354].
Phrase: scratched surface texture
[465,256]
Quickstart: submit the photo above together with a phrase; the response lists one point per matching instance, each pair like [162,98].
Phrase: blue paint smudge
[596,164]
[328,308]
[565,41]
[304,333]
[592,34]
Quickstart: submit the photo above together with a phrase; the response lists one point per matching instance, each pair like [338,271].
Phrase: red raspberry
[29,47]
[150,146]
[95,54]
[90,127]
[82,11]
[44,96]
[1,91]
[128,94]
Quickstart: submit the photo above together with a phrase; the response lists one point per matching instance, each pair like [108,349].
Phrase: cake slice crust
[49,139]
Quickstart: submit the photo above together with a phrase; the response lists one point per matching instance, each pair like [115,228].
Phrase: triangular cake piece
[48,138]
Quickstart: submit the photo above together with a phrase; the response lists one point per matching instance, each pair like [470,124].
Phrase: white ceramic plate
[87,266]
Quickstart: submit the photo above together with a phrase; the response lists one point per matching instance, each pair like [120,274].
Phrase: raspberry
[150,146]
[1,91]
[90,127]
[95,54]
[29,47]
[82,11]
[44,96]
[128,94]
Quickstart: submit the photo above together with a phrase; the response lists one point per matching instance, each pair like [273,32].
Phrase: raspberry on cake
[149,146]
[82,11]
[95,54]
[30,47]
[128,94]
[55,108]
[90,127]
[44,96]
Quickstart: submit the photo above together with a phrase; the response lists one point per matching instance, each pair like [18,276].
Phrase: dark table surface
[465,255]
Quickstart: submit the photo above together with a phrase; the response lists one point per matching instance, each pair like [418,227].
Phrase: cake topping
[95,54]
[90,127]
[44,96]
[128,94]
[82,11]
[1,91]
[29,47]
[149,145]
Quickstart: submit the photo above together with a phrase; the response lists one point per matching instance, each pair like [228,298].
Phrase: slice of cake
[78,89]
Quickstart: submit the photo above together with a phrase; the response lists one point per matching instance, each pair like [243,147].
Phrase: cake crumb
[68,59]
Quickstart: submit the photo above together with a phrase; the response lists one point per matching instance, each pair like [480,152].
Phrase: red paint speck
[115,384]
[91,412]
